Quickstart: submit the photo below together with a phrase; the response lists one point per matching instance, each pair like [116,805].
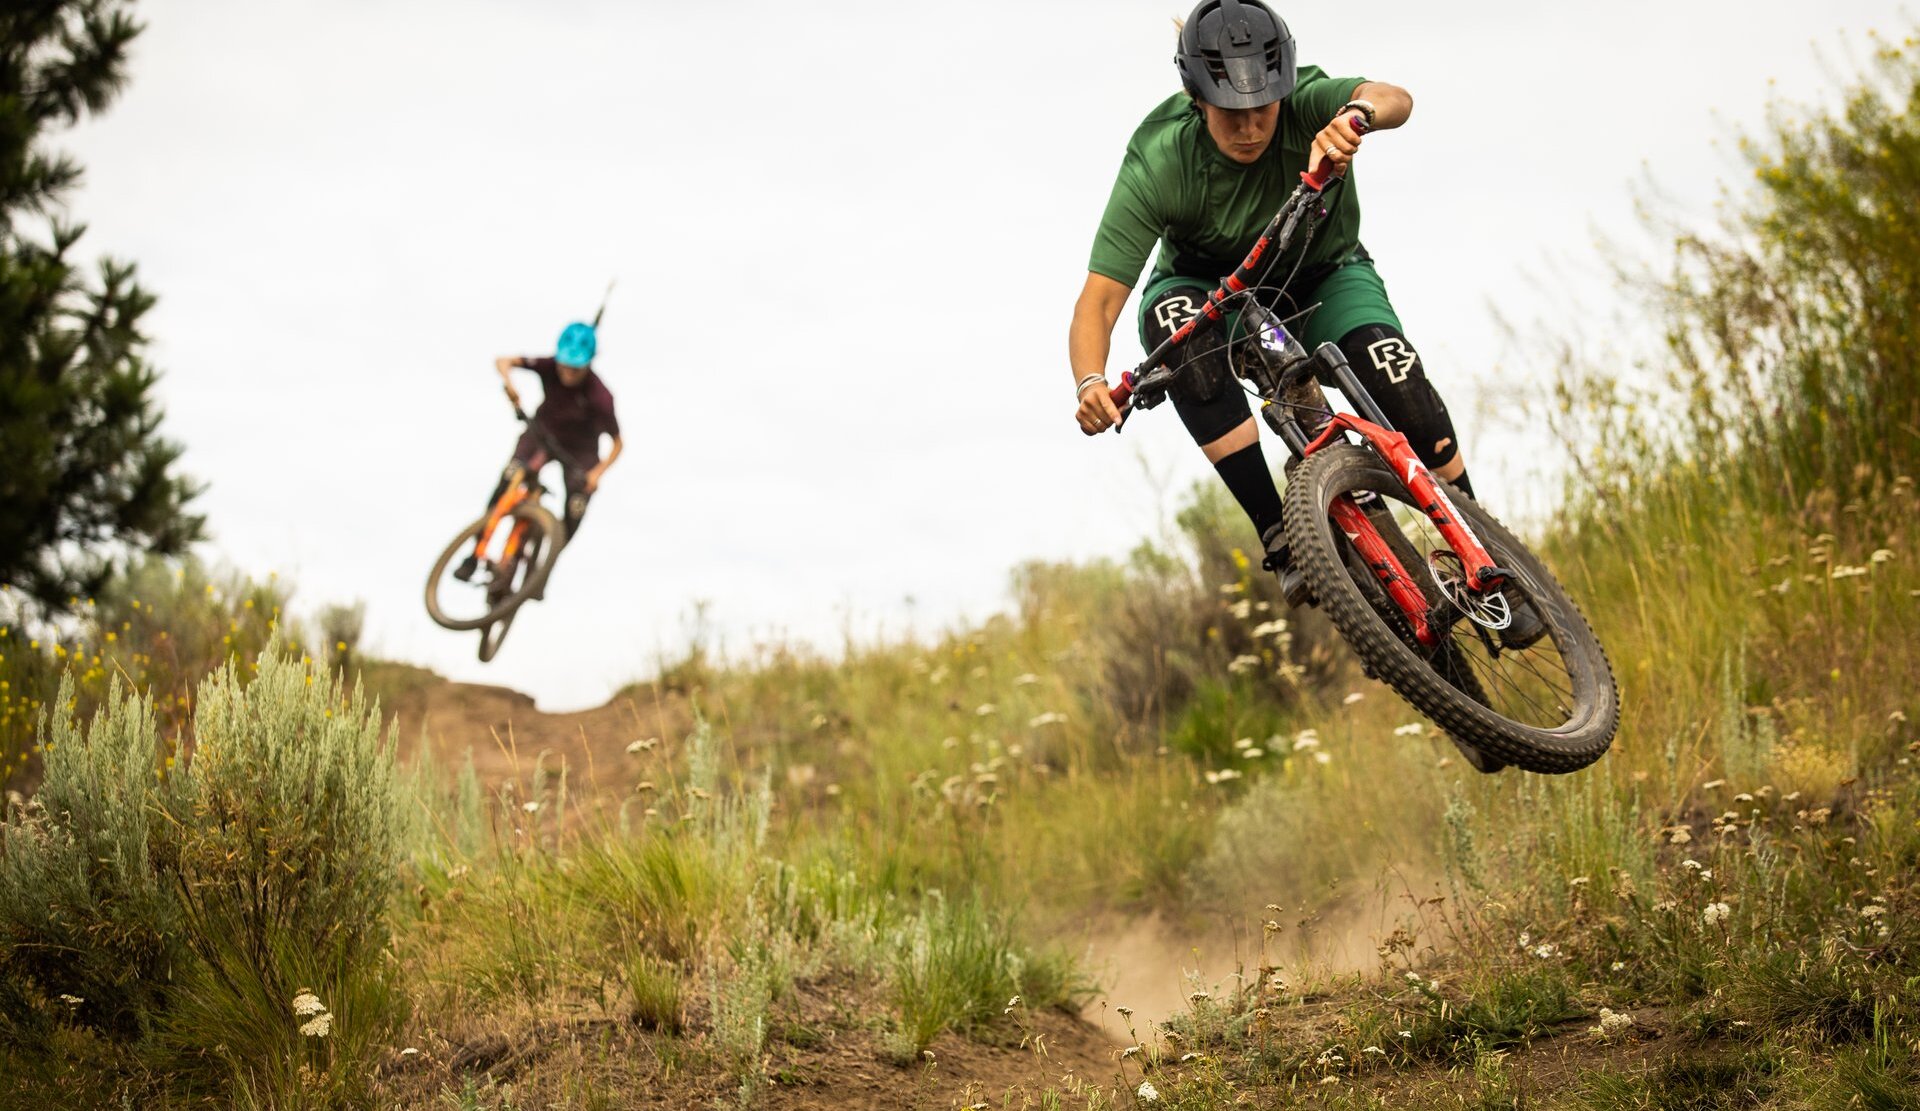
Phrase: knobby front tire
[1552,707]
[545,538]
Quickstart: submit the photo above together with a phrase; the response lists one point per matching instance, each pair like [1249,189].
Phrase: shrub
[188,900]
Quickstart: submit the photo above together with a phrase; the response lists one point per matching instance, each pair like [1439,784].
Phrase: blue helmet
[577,345]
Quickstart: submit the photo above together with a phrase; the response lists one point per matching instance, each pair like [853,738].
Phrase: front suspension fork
[1372,425]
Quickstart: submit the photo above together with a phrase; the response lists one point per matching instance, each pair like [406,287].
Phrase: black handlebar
[565,457]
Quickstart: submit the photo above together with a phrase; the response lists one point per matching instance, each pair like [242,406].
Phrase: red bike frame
[1480,572]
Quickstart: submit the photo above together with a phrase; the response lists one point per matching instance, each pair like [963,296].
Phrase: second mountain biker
[576,409]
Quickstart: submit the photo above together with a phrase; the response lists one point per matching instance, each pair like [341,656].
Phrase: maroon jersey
[575,416]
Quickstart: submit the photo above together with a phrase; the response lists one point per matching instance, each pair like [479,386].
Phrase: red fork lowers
[1427,495]
[1373,548]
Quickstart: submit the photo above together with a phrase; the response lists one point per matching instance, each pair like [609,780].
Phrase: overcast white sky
[848,238]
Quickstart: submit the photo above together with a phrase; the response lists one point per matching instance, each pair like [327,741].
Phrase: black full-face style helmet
[1235,54]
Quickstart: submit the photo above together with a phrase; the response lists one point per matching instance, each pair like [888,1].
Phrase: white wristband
[1080,388]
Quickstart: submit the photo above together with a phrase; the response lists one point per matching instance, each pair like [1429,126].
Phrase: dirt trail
[506,732]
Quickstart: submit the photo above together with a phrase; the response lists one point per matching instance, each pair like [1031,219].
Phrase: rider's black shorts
[530,455]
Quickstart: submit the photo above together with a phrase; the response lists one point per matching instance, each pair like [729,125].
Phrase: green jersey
[1205,210]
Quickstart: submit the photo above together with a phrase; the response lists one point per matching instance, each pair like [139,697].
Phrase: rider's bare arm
[1088,342]
[600,468]
[1391,103]
[1339,141]
[505,364]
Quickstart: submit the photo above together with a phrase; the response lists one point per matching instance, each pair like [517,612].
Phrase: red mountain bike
[1424,584]
[515,545]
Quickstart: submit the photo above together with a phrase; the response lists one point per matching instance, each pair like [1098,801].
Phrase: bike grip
[1318,181]
[1122,393]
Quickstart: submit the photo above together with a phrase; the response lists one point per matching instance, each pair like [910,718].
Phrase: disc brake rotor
[1489,609]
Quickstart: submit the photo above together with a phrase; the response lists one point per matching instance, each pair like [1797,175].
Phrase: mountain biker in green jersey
[1202,175]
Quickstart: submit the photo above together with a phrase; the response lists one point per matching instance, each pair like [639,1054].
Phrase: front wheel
[501,583]
[1548,706]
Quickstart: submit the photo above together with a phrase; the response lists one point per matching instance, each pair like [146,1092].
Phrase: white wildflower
[71,1000]
[1241,609]
[1406,1033]
[1243,742]
[1410,729]
[1222,776]
[1880,555]
[307,1003]
[644,744]
[409,1052]
[1679,835]
[1691,865]
[1873,911]
[1845,572]
[1611,1023]
[1147,1092]
[1351,698]
[1199,997]
[1546,950]
[1269,629]
[530,807]
[1716,913]
[1051,717]
[1306,738]
[1252,753]
[1713,783]
[1125,1012]
[985,709]
[1243,664]
[319,1026]
[1185,1057]
[1322,758]
[1026,679]
[1130,1051]
[1374,1051]
[1617,966]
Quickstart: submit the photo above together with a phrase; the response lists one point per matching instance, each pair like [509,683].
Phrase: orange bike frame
[515,494]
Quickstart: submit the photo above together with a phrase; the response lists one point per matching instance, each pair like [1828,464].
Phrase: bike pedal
[1524,629]
[1484,763]
[467,567]
[1293,584]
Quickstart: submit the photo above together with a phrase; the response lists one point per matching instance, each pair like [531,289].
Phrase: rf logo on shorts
[1172,312]
[1393,356]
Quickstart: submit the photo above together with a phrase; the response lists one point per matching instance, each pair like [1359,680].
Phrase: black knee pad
[1209,401]
[1391,370]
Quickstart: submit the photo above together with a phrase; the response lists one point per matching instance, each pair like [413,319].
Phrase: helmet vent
[1216,68]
